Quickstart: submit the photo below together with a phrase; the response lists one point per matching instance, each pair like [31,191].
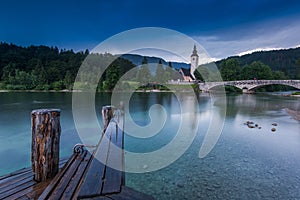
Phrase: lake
[244,164]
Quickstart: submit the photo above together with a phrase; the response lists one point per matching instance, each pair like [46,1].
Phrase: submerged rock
[145,166]
[180,184]
[216,185]
[250,126]
[209,188]
[274,124]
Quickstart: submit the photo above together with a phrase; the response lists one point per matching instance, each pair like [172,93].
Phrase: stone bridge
[248,85]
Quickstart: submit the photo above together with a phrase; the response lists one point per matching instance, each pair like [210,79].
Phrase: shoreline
[70,91]
[6,91]
[139,91]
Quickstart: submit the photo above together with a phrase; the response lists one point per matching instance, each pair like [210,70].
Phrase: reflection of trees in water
[236,104]
[247,104]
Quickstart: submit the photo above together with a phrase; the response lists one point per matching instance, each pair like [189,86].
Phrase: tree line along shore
[42,68]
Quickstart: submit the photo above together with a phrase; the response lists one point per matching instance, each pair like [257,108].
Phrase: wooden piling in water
[107,115]
[45,126]
[83,175]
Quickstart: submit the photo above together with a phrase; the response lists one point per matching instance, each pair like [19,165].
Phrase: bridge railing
[255,82]
[249,84]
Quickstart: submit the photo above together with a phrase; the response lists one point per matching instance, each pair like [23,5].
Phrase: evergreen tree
[113,74]
[202,73]
[278,75]
[68,80]
[230,69]
[298,69]
[257,70]
[144,74]
[171,73]
[160,73]
[144,61]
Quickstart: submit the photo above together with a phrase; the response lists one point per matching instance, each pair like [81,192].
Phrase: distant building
[194,61]
[188,74]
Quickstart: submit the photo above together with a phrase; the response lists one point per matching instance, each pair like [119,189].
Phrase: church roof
[186,72]
[195,52]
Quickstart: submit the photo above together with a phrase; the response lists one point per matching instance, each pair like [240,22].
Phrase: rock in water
[180,184]
[145,166]
[250,126]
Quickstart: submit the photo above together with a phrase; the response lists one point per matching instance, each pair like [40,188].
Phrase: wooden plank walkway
[20,184]
[82,176]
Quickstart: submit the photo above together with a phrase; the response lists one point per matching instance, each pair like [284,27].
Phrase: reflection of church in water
[188,74]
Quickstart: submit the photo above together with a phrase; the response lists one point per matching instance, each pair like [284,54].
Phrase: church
[188,74]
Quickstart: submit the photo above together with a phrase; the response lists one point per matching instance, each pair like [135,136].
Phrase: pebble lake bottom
[244,164]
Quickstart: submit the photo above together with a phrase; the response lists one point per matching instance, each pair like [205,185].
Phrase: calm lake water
[245,163]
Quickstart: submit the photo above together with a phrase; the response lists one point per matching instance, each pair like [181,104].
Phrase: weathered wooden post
[107,115]
[45,126]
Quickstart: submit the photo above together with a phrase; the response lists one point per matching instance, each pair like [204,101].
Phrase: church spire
[195,52]
[194,62]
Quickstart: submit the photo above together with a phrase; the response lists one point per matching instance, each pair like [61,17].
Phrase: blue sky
[223,28]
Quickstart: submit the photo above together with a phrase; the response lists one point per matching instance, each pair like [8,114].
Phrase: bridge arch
[285,84]
[249,85]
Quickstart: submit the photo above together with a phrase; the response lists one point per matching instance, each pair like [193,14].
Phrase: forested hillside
[286,60]
[137,60]
[47,68]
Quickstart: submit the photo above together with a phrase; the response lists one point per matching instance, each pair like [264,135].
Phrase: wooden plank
[35,191]
[25,184]
[21,174]
[74,183]
[67,176]
[14,179]
[113,177]
[18,172]
[100,198]
[32,192]
[22,198]
[57,178]
[92,183]
[120,143]
[15,185]
[112,181]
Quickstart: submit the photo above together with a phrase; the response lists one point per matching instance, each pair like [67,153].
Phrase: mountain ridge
[284,60]
[137,59]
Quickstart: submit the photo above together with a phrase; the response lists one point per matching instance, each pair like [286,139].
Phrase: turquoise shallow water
[244,164]
[15,125]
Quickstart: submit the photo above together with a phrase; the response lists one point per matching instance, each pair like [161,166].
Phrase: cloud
[153,41]
[277,34]
[258,49]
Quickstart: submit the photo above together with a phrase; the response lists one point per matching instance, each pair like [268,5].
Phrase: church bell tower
[194,61]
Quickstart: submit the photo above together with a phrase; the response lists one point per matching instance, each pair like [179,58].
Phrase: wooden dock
[82,176]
